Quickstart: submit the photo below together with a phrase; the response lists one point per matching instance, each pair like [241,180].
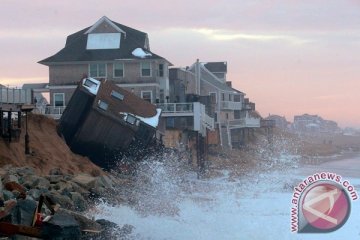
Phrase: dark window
[130,119]
[59,99]
[161,70]
[103,105]
[145,69]
[97,70]
[117,95]
[236,114]
[223,96]
[213,97]
[146,95]
[118,70]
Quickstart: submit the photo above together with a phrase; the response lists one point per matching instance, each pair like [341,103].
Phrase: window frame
[147,91]
[123,70]
[215,95]
[97,70]
[161,71]
[141,69]
[63,99]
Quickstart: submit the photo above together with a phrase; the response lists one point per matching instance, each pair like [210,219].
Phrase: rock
[79,202]
[55,171]
[35,194]
[1,190]
[23,171]
[79,189]
[33,181]
[61,226]
[53,179]
[8,195]
[63,201]
[18,190]
[23,212]
[10,178]
[105,181]
[84,180]
[84,222]
[113,231]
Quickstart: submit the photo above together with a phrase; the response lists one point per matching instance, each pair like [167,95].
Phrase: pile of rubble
[51,206]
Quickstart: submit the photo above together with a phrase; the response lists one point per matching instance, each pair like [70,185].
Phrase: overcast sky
[289,57]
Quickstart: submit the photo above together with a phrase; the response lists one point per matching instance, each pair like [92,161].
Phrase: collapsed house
[105,122]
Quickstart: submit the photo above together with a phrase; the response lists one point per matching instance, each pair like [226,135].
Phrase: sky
[290,57]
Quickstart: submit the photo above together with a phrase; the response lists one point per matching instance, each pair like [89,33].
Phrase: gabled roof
[216,67]
[106,20]
[75,47]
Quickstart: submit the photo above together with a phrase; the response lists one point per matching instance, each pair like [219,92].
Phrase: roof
[75,47]
[216,67]
[131,103]
[34,85]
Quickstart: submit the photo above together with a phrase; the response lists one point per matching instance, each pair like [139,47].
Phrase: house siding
[67,74]
[68,92]
[104,27]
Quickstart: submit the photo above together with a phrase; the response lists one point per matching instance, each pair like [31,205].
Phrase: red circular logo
[326,206]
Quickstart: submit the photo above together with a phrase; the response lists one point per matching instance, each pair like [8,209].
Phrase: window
[59,99]
[236,98]
[118,70]
[97,70]
[223,96]
[103,105]
[161,70]
[236,114]
[117,95]
[145,69]
[213,97]
[146,95]
[130,119]
[103,41]
[227,116]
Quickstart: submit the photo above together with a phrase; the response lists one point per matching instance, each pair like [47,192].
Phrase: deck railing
[176,107]
[51,111]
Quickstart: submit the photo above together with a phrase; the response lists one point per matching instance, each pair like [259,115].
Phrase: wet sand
[346,165]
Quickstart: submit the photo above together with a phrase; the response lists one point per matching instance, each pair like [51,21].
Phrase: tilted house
[104,122]
[111,51]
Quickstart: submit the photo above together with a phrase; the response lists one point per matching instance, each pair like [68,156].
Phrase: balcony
[50,111]
[176,109]
[228,105]
[247,122]
[202,121]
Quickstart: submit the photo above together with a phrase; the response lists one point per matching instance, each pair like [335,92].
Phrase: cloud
[32,33]
[225,35]
[18,81]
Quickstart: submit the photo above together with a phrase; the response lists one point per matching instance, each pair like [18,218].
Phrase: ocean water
[171,203]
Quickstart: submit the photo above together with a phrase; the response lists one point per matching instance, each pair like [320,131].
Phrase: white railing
[15,95]
[247,122]
[176,107]
[231,105]
[51,111]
